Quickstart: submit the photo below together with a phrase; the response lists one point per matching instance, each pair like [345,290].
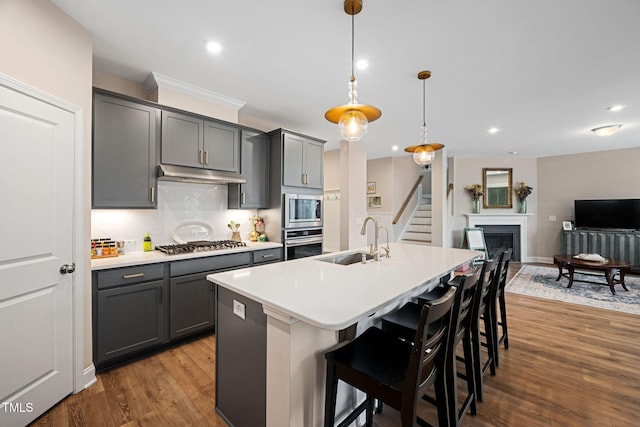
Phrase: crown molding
[155,80]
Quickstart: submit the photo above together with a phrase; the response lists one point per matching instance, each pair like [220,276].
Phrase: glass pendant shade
[353,125]
[424,155]
[353,118]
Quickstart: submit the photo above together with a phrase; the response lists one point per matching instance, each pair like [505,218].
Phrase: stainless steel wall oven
[301,243]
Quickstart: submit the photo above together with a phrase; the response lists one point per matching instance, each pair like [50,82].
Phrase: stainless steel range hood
[197,175]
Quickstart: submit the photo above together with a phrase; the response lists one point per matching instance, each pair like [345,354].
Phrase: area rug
[538,281]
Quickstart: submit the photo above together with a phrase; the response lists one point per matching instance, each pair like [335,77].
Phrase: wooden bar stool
[502,322]
[482,316]
[392,370]
[402,321]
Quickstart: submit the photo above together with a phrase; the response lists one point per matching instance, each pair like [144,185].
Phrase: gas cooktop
[199,246]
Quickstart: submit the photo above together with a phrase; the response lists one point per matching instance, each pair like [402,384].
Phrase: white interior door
[36,239]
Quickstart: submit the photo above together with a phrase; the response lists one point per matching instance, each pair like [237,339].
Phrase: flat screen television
[621,214]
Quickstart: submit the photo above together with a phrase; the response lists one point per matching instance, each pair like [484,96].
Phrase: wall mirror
[497,187]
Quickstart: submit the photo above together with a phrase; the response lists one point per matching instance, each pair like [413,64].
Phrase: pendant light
[425,152]
[352,118]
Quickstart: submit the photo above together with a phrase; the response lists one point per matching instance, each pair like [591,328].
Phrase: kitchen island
[308,306]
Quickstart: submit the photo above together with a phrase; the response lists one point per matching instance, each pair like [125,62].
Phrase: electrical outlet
[130,245]
[238,309]
[552,217]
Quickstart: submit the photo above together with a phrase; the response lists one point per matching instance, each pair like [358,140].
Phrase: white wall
[332,201]
[353,178]
[43,47]
[468,171]
[394,177]
[563,179]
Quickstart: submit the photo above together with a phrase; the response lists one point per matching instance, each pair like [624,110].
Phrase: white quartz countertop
[332,296]
[140,258]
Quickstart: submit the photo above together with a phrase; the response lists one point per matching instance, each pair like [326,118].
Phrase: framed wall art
[371,187]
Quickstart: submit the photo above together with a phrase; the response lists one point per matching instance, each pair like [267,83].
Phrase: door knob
[68,268]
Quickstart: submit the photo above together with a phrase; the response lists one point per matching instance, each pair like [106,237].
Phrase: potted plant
[476,192]
[522,192]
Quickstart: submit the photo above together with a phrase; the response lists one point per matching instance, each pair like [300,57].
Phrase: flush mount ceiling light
[214,47]
[615,108]
[606,130]
[425,152]
[353,118]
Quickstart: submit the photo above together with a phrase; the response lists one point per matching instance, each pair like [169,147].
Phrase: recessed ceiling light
[362,64]
[394,148]
[615,107]
[606,130]
[513,153]
[494,130]
[214,47]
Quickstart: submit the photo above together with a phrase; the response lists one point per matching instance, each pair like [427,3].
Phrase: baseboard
[544,260]
[88,376]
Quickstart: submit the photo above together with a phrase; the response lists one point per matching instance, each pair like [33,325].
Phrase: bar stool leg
[331,391]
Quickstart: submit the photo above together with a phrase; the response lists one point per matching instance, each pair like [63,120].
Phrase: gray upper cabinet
[302,162]
[255,168]
[182,137]
[125,139]
[221,147]
[188,140]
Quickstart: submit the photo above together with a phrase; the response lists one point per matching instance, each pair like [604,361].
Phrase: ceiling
[543,72]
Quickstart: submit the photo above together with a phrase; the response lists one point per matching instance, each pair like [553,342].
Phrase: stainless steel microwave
[302,210]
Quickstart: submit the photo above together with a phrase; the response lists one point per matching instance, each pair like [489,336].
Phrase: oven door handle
[301,242]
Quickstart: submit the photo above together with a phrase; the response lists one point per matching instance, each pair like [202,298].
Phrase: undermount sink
[346,259]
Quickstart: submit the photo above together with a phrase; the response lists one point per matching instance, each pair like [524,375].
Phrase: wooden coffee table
[610,267]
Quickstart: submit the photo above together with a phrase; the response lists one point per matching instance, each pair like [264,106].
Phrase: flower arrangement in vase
[257,221]
[522,192]
[476,192]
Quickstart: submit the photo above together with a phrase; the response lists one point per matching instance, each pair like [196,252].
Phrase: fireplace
[502,237]
[516,225]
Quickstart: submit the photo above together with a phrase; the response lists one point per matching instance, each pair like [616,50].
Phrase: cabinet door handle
[244,198]
[268,256]
[201,157]
[206,157]
[153,195]
[303,178]
[132,276]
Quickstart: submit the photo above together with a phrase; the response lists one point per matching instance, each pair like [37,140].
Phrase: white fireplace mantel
[474,220]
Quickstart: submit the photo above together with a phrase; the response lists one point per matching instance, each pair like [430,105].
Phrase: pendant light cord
[352,41]
[424,114]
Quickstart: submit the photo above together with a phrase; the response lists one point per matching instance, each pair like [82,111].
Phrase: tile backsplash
[178,204]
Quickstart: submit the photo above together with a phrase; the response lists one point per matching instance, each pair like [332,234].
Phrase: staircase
[418,230]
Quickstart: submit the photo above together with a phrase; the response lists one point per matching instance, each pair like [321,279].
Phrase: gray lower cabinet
[189,140]
[241,360]
[142,308]
[131,319]
[192,300]
[129,312]
[125,139]
[192,305]
[255,168]
[267,256]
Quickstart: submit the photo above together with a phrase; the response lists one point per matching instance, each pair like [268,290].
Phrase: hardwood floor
[567,365]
